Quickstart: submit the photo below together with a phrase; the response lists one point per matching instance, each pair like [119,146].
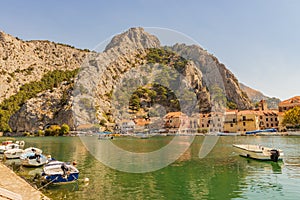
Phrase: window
[233,120]
[271,119]
[244,123]
[271,125]
[267,125]
[275,119]
[267,119]
[260,117]
[231,125]
[244,118]
[202,125]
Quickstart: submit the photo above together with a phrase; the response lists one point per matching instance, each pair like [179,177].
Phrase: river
[222,174]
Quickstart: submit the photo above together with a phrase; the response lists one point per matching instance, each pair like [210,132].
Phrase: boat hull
[13,153]
[31,160]
[58,178]
[257,152]
[58,172]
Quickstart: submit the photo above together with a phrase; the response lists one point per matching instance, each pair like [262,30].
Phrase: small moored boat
[33,158]
[60,172]
[16,153]
[9,146]
[259,152]
[13,153]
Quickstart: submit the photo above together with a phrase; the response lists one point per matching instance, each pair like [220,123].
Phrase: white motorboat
[9,146]
[259,152]
[16,153]
[32,157]
[13,153]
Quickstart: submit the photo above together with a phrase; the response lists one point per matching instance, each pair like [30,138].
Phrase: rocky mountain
[215,73]
[25,61]
[133,58]
[255,96]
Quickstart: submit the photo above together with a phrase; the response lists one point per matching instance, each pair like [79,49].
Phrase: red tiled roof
[295,99]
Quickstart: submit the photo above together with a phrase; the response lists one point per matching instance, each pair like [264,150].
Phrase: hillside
[135,58]
[255,96]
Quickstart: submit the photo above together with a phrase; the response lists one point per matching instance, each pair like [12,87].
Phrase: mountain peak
[134,38]
[4,37]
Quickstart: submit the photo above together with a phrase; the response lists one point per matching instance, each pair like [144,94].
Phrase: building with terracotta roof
[289,104]
[175,120]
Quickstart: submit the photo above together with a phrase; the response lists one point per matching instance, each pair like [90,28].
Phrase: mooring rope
[48,183]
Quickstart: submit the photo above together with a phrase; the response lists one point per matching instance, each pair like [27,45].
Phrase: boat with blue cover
[60,172]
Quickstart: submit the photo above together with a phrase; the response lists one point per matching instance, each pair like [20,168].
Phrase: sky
[259,41]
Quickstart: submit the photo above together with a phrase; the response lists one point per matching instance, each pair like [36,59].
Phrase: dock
[13,187]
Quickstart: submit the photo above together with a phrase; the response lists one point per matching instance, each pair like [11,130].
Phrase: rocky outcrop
[214,73]
[47,108]
[25,61]
[133,39]
[255,96]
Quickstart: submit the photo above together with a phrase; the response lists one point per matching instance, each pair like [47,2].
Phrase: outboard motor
[274,155]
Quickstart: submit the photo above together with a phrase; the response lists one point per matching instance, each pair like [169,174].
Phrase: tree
[64,130]
[292,117]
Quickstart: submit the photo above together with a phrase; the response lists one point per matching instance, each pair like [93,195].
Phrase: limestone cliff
[25,61]
[255,96]
[215,74]
[91,98]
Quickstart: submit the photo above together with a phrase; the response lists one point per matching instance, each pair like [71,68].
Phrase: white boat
[259,152]
[6,147]
[33,159]
[16,153]
[13,153]
[60,172]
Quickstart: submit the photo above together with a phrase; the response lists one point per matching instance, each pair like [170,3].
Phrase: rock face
[214,73]
[48,108]
[255,96]
[22,62]
[133,39]
[92,96]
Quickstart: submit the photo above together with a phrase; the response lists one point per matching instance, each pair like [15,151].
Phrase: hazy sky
[258,40]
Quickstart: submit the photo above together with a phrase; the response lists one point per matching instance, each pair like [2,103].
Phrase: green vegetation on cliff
[161,91]
[50,80]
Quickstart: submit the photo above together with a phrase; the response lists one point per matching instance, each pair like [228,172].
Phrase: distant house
[247,120]
[87,127]
[175,120]
[142,124]
[230,122]
[126,126]
[211,122]
[289,104]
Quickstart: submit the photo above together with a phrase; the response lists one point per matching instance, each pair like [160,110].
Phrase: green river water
[222,174]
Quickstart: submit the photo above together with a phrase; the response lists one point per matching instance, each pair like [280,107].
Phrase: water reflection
[220,175]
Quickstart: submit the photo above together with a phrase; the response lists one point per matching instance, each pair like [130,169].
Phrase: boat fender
[86,179]
[22,143]
[274,155]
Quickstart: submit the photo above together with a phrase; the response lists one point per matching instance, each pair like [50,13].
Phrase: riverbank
[14,187]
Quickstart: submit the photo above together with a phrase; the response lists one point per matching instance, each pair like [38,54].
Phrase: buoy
[86,180]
